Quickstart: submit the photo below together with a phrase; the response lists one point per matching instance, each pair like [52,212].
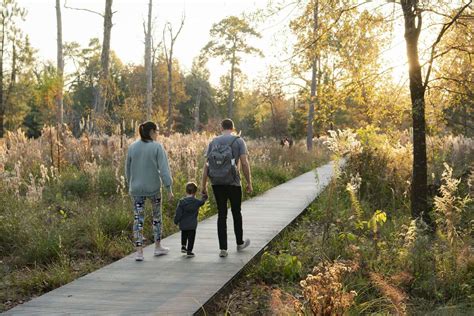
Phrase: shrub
[76,184]
[323,290]
[106,183]
[115,222]
[283,267]
[43,247]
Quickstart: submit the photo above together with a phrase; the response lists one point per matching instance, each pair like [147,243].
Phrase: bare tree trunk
[309,128]
[60,63]
[11,85]
[197,110]
[230,100]
[169,62]
[2,101]
[273,111]
[104,59]
[148,65]
[419,188]
[170,90]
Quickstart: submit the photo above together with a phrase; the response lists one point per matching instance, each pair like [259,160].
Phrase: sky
[127,38]
[128,35]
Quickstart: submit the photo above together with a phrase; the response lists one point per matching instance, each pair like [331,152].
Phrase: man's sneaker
[223,253]
[244,245]
[161,251]
[189,254]
[183,249]
[139,256]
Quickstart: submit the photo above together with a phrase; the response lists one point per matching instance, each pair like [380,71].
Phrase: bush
[115,222]
[283,267]
[106,183]
[76,184]
[42,248]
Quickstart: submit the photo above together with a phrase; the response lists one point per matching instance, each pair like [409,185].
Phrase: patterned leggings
[139,216]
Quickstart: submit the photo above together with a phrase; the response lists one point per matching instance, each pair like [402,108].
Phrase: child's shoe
[139,256]
[183,249]
[189,254]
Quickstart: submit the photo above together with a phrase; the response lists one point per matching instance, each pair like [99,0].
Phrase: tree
[148,65]
[412,14]
[452,88]
[273,103]
[195,110]
[169,63]
[104,59]
[85,79]
[60,63]
[229,39]
[11,13]
[104,82]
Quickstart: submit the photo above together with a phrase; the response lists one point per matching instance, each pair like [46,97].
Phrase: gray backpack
[222,169]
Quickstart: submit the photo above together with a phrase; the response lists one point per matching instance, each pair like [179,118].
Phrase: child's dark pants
[187,239]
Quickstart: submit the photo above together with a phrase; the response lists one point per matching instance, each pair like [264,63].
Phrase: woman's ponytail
[144,130]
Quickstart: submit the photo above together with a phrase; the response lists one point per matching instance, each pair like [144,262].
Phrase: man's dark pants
[222,193]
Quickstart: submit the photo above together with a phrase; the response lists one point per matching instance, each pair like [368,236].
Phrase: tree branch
[180,28]
[445,27]
[82,9]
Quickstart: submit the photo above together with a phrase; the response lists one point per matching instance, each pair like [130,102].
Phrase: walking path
[173,284]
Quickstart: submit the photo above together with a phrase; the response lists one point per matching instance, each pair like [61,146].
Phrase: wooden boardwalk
[173,284]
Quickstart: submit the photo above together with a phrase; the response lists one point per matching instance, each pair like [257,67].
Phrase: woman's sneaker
[159,251]
[139,256]
[223,253]
[244,245]
[183,249]
[189,254]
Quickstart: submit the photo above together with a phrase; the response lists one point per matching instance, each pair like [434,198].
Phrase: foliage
[282,267]
[323,289]
[449,206]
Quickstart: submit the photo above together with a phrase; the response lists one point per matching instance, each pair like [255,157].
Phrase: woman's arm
[128,162]
[165,172]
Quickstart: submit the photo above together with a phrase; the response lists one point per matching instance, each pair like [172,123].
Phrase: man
[224,155]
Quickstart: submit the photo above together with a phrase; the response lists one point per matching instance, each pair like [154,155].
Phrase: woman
[146,170]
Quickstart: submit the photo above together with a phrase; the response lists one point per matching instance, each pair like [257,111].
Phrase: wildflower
[449,206]
[323,290]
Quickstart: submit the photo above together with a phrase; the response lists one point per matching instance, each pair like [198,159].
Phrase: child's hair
[191,188]
[145,128]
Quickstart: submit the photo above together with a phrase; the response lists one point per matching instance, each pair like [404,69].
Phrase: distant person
[187,217]
[222,167]
[290,142]
[146,171]
[286,142]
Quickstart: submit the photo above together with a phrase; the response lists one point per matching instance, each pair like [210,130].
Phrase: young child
[187,217]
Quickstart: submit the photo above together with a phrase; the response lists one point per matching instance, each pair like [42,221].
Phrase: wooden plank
[173,284]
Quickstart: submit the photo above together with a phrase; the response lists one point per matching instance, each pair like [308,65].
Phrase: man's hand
[249,188]
[170,196]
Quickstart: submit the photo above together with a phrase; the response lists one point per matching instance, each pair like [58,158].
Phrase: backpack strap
[232,143]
